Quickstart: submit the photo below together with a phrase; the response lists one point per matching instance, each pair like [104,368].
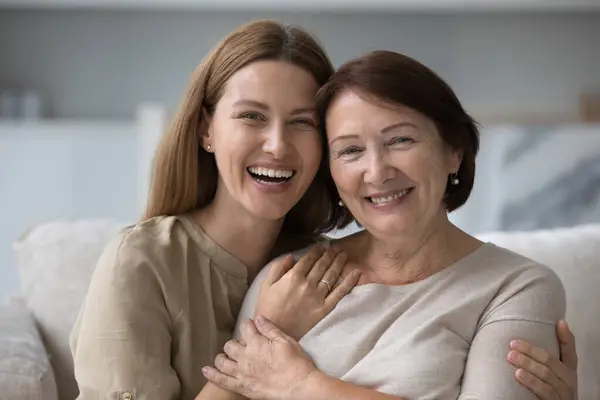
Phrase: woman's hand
[543,374]
[297,296]
[264,364]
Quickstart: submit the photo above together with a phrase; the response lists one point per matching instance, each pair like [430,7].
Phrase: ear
[455,158]
[205,131]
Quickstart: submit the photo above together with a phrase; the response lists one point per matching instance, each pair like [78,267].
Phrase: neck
[248,238]
[410,258]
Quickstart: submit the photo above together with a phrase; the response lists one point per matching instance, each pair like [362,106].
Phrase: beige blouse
[162,302]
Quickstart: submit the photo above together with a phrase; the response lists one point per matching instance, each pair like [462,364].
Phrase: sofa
[56,260]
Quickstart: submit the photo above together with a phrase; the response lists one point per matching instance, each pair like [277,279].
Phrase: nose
[378,170]
[275,142]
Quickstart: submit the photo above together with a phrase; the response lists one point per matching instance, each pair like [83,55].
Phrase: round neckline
[467,259]
[222,258]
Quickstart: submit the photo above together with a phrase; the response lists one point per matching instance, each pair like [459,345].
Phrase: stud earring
[454,179]
[208,147]
[341,203]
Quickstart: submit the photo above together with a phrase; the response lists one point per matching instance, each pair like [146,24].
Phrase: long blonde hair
[184,175]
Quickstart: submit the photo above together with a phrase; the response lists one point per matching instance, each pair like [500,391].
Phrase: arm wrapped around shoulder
[527,306]
[121,339]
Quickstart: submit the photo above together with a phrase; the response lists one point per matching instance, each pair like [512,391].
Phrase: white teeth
[272,173]
[389,199]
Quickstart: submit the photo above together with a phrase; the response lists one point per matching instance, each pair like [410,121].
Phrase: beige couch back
[56,260]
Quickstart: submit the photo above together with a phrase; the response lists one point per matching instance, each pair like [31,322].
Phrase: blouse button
[125,396]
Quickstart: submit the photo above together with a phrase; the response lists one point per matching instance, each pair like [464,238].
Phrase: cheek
[308,147]
[346,179]
[426,164]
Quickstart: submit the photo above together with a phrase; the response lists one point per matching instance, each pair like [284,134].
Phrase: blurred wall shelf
[312,5]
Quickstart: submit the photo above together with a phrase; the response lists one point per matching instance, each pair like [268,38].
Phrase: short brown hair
[398,79]
[185,175]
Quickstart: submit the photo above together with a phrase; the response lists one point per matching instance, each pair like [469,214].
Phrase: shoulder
[299,252]
[523,288]
[518,271]
[144,248]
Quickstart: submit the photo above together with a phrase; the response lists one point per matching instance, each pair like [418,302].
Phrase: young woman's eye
[254,117]
[305,121]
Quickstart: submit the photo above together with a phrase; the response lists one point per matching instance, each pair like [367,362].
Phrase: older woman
[436,310]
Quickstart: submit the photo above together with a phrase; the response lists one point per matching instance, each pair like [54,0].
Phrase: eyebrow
[384,130]
[263,106]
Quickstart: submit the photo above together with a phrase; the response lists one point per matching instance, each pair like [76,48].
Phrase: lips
[269,175]
[388,197]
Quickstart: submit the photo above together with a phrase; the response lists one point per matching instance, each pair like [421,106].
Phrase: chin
[269,211]
[392,227]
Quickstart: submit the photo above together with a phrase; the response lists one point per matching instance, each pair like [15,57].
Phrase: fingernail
[513,356]
[260,319]
[563,323]
[204,370]
[514,344]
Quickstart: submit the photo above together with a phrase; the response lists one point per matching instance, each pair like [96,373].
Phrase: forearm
[319,386]
[214,392]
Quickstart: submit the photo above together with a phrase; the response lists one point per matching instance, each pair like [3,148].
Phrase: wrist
[309,388]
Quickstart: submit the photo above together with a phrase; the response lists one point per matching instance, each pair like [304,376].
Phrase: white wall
[58,173]
[102,64]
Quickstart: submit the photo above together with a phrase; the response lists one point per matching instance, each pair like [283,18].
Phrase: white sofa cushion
[25,371]
[574,254]
[56,260]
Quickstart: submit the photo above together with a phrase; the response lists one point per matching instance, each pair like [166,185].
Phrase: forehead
[354,110]
[272,82]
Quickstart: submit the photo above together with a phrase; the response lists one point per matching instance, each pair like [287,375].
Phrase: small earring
[454,179]
[341,203]
[208,147]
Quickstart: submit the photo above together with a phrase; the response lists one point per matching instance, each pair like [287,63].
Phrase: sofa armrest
[25,371]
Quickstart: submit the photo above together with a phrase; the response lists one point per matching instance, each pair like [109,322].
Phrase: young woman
[238,179]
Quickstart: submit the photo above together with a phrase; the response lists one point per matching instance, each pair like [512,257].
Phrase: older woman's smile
[387,199]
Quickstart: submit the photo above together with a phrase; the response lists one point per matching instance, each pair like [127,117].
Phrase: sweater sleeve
[526,308]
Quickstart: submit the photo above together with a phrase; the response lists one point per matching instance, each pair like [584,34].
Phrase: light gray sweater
[445,337]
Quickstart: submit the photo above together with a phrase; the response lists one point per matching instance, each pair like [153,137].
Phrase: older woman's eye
[350,151]
[400,140]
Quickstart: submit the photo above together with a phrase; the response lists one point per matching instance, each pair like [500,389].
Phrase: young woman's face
[264,136]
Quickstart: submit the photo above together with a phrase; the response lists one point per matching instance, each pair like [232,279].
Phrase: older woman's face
[389,164]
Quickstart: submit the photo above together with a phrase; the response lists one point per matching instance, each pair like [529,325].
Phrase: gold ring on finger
[327,283]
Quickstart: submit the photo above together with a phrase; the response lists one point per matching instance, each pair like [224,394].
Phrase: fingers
[323,264]
[331,275]
[539,362]
[220,379]
[225,365]
[537,369]
[541,389]
[248,331]
[305,264]
[279,267]
[269,330]
[342,290]
[568,349]
[233,349]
